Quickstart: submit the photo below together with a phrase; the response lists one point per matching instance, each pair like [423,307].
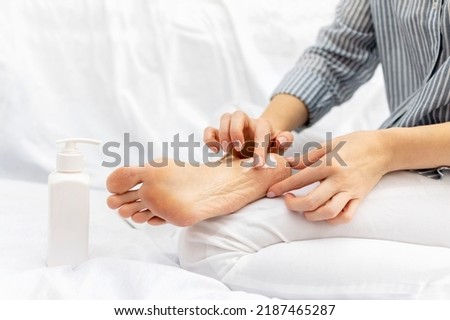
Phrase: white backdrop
[152,68]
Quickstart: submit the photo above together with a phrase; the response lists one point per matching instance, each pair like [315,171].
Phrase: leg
[404,207]
[186,195]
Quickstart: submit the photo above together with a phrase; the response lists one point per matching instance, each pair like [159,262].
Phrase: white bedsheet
[125,263]
[128,263]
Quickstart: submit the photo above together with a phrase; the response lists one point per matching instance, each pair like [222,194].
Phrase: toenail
[270,194]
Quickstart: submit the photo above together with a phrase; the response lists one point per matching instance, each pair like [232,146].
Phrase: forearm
[419,147]
[286,112]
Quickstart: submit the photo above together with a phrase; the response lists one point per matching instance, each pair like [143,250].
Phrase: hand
[238,129]
[348,168]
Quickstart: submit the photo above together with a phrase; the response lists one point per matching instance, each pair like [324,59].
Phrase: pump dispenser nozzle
[70,159]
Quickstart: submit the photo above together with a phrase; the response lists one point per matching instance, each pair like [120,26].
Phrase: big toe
[123,179]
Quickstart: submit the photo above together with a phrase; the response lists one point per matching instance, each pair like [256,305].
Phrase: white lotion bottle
[68,228]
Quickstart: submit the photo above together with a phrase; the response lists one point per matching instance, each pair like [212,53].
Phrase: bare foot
[186,195]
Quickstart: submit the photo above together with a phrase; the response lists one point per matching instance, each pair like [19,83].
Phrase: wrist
[389,139]
[382,151]
[286,112]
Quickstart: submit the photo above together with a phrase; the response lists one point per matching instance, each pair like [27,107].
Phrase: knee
[211,248]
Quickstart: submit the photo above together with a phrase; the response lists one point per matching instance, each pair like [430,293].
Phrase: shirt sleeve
[344,57]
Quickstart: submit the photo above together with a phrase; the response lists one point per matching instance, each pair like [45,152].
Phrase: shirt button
[435,4]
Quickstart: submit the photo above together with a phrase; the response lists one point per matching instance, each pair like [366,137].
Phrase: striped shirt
[411,40]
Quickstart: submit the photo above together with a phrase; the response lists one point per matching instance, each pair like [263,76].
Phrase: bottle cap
[70,159]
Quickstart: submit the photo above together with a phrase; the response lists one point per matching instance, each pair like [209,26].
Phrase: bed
[154,69]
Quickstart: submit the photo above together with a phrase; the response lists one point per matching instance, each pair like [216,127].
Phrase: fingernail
[237,145]
[270,194]
[289,195]
[214,149]
[224,145]
[290,159]
[282,140]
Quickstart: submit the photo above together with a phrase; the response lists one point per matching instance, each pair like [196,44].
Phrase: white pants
[397,246]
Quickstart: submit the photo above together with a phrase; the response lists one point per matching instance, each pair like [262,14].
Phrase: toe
[127,210]
[117,200]
[123,179]
[142,216]
[156,221]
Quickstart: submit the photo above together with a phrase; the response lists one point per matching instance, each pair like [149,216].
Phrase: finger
[262,139]
[346,215]
[224,131]
[283,140]
[331,209]
[301,179]
[156,221]
[142,216]
[313,200]
[289,199]
[239,121]
[301,162]
[211,139]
